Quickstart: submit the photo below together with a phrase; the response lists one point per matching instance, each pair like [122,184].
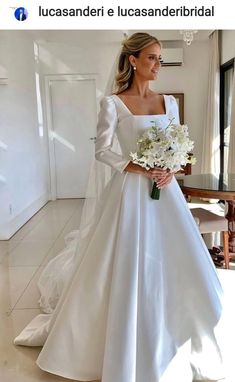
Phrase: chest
[155,106]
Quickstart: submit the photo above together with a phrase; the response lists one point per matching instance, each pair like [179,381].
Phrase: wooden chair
[209,222]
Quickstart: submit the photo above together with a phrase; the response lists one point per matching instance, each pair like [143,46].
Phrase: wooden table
[210,186]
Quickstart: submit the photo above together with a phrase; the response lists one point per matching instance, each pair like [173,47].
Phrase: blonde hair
[131,46]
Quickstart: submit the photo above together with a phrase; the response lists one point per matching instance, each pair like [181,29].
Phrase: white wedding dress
[140,301]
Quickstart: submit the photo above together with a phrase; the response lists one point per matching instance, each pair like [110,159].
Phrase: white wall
[192,80]
[227,45]
[61,58]
[25,163]
[24,166]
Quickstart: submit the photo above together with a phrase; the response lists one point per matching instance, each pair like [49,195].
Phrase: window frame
[223,69]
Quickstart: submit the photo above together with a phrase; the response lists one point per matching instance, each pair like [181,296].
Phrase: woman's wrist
[160,176]
[135,168]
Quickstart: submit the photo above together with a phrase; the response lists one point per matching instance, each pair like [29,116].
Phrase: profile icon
[21,14]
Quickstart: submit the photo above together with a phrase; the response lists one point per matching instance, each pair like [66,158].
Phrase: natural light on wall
[63,141]
[38,93]
[3,146]
[39,105]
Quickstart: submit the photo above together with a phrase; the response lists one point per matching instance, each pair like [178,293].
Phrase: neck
[140,88]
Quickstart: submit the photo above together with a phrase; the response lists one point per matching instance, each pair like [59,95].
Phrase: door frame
[51,147]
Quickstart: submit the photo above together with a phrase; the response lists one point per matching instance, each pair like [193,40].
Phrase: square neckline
[143,115]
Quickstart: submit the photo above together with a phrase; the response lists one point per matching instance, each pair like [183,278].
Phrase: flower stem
[155,194]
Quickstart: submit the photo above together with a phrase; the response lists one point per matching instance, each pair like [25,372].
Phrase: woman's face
[148,63]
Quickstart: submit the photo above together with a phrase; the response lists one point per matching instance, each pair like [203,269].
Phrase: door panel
[73,120]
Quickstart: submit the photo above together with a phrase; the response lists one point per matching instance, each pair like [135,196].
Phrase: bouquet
[167,148]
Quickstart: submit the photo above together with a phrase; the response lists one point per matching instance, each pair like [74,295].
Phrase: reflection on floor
[22,258]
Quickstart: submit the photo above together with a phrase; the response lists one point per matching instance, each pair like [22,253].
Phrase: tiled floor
[21,260]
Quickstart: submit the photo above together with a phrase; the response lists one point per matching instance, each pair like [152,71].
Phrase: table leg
[231,225]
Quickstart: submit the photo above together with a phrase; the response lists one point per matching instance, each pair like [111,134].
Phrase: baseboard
[18,221]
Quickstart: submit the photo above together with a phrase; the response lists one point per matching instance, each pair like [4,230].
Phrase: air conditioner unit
[3,81]
[172,56]
[3,76]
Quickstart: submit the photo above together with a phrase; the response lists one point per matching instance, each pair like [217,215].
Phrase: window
[226,82]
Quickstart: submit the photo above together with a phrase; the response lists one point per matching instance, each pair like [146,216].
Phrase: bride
[137,297]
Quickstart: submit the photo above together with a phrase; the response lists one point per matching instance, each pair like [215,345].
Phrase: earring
[134,67]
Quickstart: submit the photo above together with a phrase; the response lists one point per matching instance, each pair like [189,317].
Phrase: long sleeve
[107,123]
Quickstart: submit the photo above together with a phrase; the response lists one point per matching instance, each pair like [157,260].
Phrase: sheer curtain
[211,138]
[231,155]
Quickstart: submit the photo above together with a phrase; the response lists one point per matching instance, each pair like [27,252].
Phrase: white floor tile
[6,246]
[13,282]
[3,251]
[29,253]
[58,246]
[29,298]
[28,226]
[17,363]
[45,231]
[42,237]
[15,322]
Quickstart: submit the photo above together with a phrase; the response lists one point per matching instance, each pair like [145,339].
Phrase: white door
[71,108]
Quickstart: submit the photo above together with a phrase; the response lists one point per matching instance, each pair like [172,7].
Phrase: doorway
[71,119]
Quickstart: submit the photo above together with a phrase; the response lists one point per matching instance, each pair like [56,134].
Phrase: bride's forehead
[151,49]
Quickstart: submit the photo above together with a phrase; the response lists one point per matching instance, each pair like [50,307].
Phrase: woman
[143,300]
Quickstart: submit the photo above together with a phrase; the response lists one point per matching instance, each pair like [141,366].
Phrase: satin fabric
[142,299]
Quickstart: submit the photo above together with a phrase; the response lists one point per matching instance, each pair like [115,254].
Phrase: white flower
[167,148]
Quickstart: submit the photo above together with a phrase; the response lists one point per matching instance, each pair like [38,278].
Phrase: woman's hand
[157,174]
[160,176]
[164,181]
